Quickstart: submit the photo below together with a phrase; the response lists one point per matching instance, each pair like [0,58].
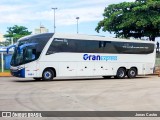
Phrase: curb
[5,74]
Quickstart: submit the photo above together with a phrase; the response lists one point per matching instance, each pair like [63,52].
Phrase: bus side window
[101,44]
[30,54]
[57,45]
[71,46]
[109,47]
[94,46]
[80,46]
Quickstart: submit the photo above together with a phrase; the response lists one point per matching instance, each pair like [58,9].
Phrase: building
[41,29]
[2,39]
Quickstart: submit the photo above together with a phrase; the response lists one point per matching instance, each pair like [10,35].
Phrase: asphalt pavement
[80,94]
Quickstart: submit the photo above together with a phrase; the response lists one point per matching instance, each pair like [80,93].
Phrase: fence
[6,61]
[157,64]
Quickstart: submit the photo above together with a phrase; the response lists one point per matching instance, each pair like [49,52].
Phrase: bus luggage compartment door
[102,69]
[68,68]
[85,69]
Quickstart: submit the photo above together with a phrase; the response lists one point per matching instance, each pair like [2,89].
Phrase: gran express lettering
[98,57]
[91,57]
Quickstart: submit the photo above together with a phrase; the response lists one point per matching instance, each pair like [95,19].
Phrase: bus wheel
[48,74]
[37,79]
[121,73]
[132,73]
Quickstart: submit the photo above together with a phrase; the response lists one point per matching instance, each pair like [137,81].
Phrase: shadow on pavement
[79,79]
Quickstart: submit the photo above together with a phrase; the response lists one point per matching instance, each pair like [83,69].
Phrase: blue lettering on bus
[99,57]
[91,57]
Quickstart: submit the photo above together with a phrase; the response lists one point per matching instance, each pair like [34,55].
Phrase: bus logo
[99,57]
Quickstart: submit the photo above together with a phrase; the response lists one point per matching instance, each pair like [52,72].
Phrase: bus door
[31,68]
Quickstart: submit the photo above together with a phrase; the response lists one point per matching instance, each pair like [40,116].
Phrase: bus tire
[48,74]
[37,79]
[132,73]
[121,73]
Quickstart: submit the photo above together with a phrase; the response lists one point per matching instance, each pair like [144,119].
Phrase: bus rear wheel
[121,73]
[48,74]
[132,73]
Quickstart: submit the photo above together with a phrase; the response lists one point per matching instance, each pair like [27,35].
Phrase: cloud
[7,8]
[86,14]
[23,14]
[68,10]
[68,16]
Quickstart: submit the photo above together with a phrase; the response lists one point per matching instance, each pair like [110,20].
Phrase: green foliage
[132,19]
[5,43]
[16,32]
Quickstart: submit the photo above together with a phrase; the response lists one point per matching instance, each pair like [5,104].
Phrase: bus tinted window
[87,46]
[109,47]
[128,48]
[79,46]
[58,45]
[92,46]
[41,42]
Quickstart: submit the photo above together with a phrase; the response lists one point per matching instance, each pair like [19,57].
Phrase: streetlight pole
[77,23]
[54,19]
[2,63]
[11,40]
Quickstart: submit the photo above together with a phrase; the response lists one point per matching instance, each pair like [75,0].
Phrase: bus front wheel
[48,74]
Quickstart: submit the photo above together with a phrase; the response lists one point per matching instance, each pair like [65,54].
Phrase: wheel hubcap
[132,73]
[121,73]
[47,75]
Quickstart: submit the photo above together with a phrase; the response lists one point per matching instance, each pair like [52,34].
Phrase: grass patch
[5,70]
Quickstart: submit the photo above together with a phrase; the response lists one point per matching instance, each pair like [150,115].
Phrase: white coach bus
[48,55]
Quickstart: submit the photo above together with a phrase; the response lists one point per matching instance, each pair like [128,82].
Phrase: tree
[16,32]
[132,19]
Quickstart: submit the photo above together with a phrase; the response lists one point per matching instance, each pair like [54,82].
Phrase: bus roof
[94,37]
[83,37]
[35,36]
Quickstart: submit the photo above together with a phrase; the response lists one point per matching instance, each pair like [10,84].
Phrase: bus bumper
[17,72]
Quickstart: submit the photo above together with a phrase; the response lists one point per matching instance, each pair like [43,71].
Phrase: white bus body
[83,55]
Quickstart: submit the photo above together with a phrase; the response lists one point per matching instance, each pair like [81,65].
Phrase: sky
[32,13]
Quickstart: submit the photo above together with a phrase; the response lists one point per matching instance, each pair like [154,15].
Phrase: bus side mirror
[20,48]
[11,46]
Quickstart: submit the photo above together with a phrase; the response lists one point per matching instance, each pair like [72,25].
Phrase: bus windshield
[29,53]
